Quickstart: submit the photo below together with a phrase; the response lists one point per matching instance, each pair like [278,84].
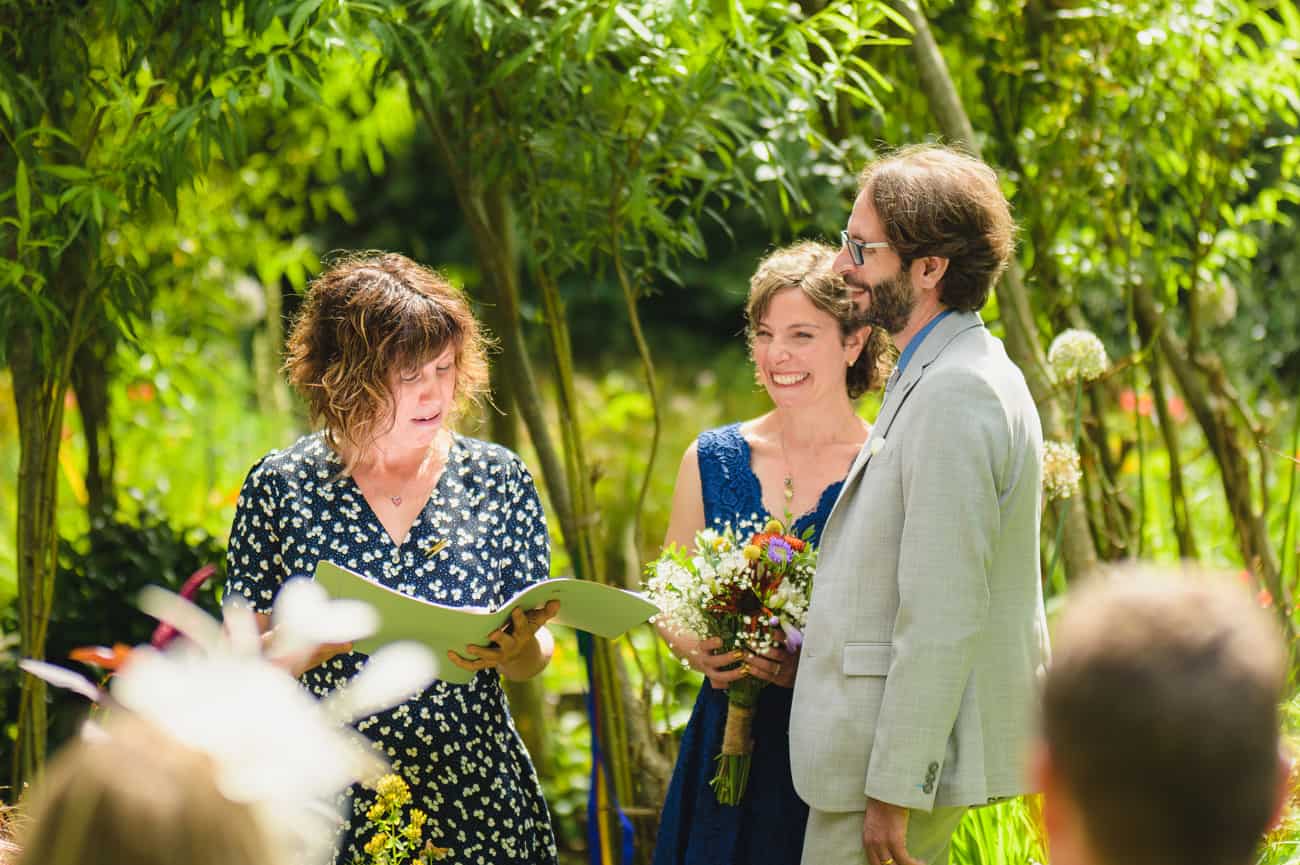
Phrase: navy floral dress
[455,745]
[767,827]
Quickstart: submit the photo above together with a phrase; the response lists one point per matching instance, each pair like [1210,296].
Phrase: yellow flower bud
[376,843]
[376,811]
[774,527]
[752,552]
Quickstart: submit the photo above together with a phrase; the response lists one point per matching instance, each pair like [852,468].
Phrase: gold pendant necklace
[789,479]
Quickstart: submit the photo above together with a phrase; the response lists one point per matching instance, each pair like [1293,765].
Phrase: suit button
[928,788]
[934,767]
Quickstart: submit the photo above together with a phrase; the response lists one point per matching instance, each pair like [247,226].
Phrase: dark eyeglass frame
[855,247]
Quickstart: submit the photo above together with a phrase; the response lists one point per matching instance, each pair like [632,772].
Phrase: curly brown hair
[935,200]
[807,266]
[366,318]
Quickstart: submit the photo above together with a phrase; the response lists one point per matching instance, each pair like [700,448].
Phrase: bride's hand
[777,666]
[706,656]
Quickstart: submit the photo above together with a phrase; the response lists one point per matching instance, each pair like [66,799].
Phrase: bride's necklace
[788,484]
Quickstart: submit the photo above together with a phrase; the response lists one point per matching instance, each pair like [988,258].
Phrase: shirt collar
[916,341]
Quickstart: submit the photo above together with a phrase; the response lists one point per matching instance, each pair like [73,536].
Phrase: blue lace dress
[455,745]
[767,827]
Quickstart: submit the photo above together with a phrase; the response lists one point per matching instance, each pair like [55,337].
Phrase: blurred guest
[132,795]
[1160,725]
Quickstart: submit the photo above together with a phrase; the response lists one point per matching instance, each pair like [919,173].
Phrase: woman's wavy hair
[807,266]
[366,318]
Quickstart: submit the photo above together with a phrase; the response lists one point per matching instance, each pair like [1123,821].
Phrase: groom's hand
[884,834]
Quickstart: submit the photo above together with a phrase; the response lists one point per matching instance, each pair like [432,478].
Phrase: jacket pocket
[867,659]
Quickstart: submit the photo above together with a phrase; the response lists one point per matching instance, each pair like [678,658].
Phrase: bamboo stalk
[1013,300]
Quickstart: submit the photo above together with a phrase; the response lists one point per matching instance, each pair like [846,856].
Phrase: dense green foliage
[602,177]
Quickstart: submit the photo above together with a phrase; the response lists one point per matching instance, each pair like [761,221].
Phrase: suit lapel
[900,387]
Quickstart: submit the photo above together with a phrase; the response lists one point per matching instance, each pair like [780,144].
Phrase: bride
[814,360]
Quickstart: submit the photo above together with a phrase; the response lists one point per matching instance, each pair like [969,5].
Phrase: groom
[926,632]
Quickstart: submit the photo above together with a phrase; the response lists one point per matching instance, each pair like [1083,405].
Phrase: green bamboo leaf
[633,24]
[895,16]
[276,78]
[43,131]
[23,196]
[505,70]
[300,16]
[74,173]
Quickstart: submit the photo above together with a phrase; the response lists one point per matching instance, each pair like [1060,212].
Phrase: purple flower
[793,637]
[779,551]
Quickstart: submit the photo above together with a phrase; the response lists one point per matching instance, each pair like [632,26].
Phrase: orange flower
[102,656]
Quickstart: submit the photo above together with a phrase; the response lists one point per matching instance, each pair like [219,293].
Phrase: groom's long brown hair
[939,201]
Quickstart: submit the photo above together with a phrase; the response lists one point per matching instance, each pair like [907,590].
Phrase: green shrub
[99,576]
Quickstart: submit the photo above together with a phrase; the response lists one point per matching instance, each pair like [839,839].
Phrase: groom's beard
[891,302]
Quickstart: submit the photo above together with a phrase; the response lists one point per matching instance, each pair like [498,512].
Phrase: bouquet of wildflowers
[751,589]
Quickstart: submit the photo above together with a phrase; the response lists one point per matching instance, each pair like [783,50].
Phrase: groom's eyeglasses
[855,247]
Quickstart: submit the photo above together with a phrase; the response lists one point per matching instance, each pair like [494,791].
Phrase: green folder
[602,610]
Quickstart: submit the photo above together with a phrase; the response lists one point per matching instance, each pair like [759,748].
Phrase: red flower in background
[141,391]
[165,633]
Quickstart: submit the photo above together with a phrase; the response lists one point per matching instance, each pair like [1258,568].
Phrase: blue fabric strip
[917,340]
[597,766]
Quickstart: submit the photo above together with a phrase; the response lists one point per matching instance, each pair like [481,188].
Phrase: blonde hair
[365,318]
[806,266]
[136,796]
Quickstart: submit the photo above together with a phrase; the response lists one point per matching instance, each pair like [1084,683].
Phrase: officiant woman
[387,355]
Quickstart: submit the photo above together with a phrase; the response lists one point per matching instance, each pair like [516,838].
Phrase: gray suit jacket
[926,631]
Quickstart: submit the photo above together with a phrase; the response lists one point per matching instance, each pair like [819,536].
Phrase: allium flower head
[1077,354]
[1061,470]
